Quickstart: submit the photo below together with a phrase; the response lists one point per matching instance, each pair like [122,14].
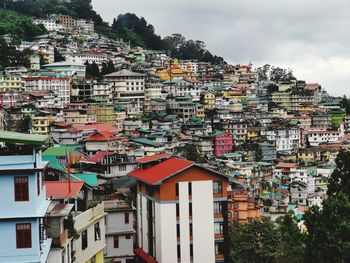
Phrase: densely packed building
[153,159]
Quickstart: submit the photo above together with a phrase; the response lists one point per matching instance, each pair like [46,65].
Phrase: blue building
[23,199]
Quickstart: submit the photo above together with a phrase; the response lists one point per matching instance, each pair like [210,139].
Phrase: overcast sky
[310,36]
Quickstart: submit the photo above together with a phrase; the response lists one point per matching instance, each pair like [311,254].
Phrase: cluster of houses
[151,162]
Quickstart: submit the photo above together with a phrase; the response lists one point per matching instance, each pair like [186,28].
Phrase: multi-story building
[316,137]
[172,223]
[104,113]
[241,207]
[208,100]
[120,231]
[41,124]
[285,139]
[91,229]
[60,86]
[128,86]
[49,24]
[24,203]
[9,82]
[222,143]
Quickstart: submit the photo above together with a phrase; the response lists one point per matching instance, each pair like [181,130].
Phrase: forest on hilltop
[129,27]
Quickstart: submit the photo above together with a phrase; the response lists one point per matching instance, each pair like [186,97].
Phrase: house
[222,143]
[119,231]
[317,137]
[101,141]
[24,204]
[172,222]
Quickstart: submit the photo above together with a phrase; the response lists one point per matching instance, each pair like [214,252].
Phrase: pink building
[222,143]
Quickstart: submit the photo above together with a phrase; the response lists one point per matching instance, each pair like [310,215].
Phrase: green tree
[329,230]
[292,240]
[339,180]
[255,241]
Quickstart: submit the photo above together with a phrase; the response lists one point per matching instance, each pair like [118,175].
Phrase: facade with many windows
[173,225]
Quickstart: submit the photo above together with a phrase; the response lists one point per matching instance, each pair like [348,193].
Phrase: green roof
[217,133]
[146,141]
[59,151]
[53,163]
[16,137]
[88,178]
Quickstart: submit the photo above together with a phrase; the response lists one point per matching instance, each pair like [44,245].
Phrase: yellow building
[10,83]
[175,72]
[200,112]
[41,124]
[104,113]
[208,100]
[234,94]
[282,99]
[253,134]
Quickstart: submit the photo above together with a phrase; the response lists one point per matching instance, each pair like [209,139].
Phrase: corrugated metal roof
[16,137]
[60,189]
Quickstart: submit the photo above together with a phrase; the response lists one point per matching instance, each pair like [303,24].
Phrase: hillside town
[116,153]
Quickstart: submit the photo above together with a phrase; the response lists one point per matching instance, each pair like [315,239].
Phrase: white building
[91,57]
[128,86]
[286,140]
[49,24]
[60,86]
[316,137]
[173,225]
[91,228]
[119,231]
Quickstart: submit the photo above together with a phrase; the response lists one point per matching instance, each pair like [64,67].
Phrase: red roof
[142,254]
[101,136]
[97,127]
[286,165]
[98,157]
[159,172]
[154,157]
[60,189]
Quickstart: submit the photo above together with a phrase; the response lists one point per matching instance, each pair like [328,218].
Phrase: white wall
[184,222]
[203,222]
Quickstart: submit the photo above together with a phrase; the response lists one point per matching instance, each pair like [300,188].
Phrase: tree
[25,124]
[292,240]
[329,230]
[339,180]
[107,67]
[58,56]
[255,241]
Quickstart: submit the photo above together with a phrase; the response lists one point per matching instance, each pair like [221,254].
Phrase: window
[191,229]
[191,250]
[23,235]
[217,208]
[190,209]
[235,204]
[236,214]
[219,248]
[189,188]
[218,228]
[177,210]
[116,241]
[177,189]
[177,230]
[126,218]
[97,231]
[84,239]
[122,167]
[217,187]
[38,183]
[178,252]
[127,236]
[21,189]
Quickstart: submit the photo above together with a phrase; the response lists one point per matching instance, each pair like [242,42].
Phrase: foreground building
[173,224]
[24,205]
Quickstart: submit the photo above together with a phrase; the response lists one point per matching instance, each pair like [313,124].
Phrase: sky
[309,36]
